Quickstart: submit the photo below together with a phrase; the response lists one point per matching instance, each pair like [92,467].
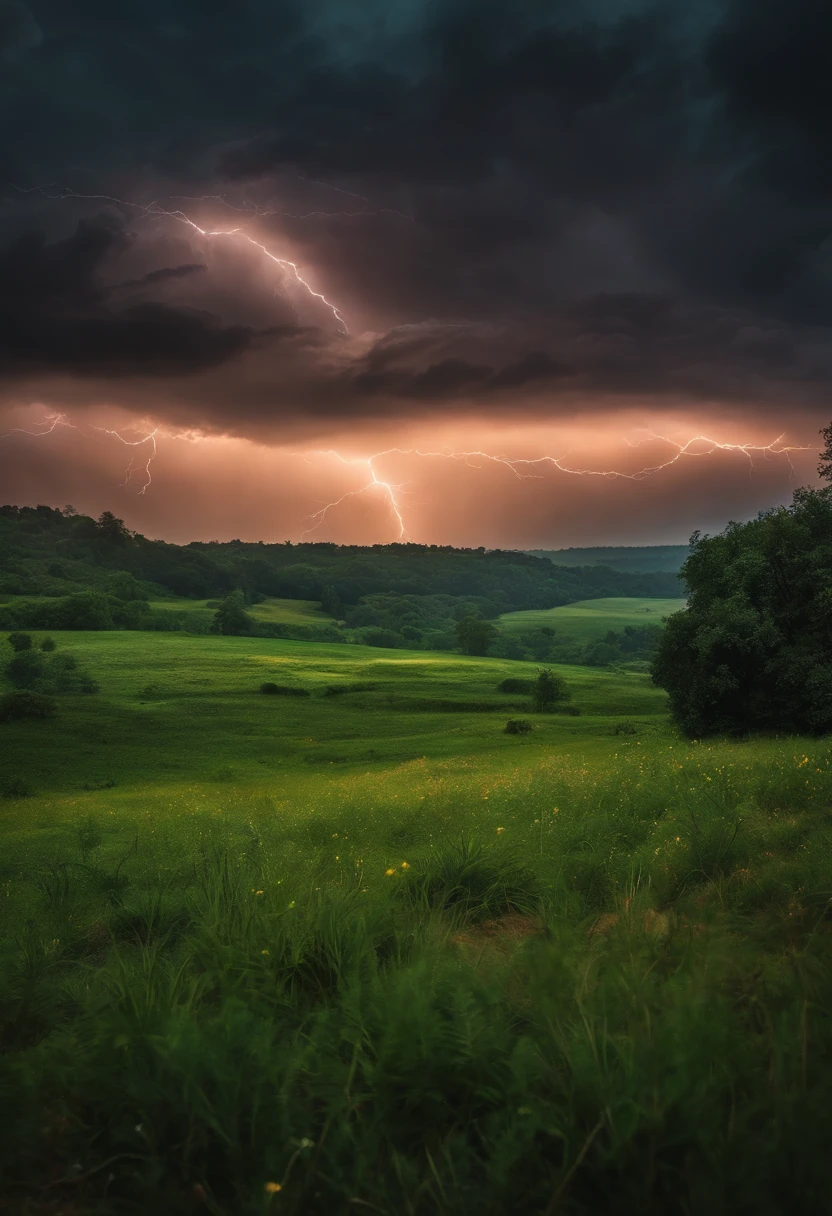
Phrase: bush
[571,710]
[26,704]
[518,726]
[58,673]
[14,787]
[20,641]
[548,691]
[515,684]
[47,645]
[625,728]
[282,690]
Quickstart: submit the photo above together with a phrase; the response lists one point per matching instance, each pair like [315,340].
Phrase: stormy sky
[266,232]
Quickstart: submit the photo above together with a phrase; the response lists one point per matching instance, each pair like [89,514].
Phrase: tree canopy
[753,650]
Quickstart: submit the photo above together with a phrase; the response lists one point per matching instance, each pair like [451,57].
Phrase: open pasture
[590,620]
[361,949]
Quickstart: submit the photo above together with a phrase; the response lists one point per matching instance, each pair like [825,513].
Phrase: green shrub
[20,641]
[518,726]
[26,704]
[516,685]
[625,728]
[48,645]
[15,787]
[548,691]
[282,690]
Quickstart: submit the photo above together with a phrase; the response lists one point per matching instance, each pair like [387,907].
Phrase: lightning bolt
[521,467]
[136,443]
[55,420]
[156,210]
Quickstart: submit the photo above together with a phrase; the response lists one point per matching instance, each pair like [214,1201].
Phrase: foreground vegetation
[362,950]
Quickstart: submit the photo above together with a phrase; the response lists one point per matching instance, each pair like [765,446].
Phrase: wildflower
[389,873]
[405,865]
[271,1188]
[499,830]
[264,952]
[258,892]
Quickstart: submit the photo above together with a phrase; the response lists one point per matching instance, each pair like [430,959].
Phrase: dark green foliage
[20,641]
[516,684]
[548,691]
[625,728]
[475,635]
[518,726]
[48,645]
[48,673]
[331,601]
[49,552]
[340,690]
[14,787]
[753,650]
[474,880]
[26,704]
[231,618]
[282,690]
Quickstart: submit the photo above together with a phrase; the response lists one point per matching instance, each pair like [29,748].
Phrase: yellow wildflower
[271,1188]
[405,865]
[500,830]
[388,873]
[264,952]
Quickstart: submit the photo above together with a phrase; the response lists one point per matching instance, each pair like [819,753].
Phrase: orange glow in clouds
[518,487]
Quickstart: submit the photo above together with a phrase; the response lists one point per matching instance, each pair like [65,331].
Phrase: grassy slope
[260,1003]
[589,620]
[288,612]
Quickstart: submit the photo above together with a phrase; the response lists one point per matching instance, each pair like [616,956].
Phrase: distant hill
[629,559]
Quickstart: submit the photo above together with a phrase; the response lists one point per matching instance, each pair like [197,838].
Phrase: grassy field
[590,620]
[288,612]
[361,950]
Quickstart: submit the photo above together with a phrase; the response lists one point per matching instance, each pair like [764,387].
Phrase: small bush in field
[26,704]
[20,641]
[48,645]
[548,691]
[270,689]
[14,787]
[625,728]
[518,726]
[515,684]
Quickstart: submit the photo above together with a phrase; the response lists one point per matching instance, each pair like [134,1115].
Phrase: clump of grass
[518,726]
[625,728]
[270,689]
[473,880]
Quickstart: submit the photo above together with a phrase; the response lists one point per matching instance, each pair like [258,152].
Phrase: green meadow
[351,947]
[590,620]
[287,612]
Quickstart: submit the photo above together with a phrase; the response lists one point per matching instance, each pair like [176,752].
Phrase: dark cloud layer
[519,206]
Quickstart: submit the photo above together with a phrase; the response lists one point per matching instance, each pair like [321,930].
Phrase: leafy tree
[825,466]
[112,529]
[475,635]
[753,649]
[548,691]
[231,619]
[20,641]
[331,601]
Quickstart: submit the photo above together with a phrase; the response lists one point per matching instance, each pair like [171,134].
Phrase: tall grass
[592,995]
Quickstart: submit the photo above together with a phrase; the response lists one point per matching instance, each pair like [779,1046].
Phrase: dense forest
[631,559]
[44,551]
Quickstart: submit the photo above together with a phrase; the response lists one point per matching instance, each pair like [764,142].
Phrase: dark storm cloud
[56,315]
[534,200]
